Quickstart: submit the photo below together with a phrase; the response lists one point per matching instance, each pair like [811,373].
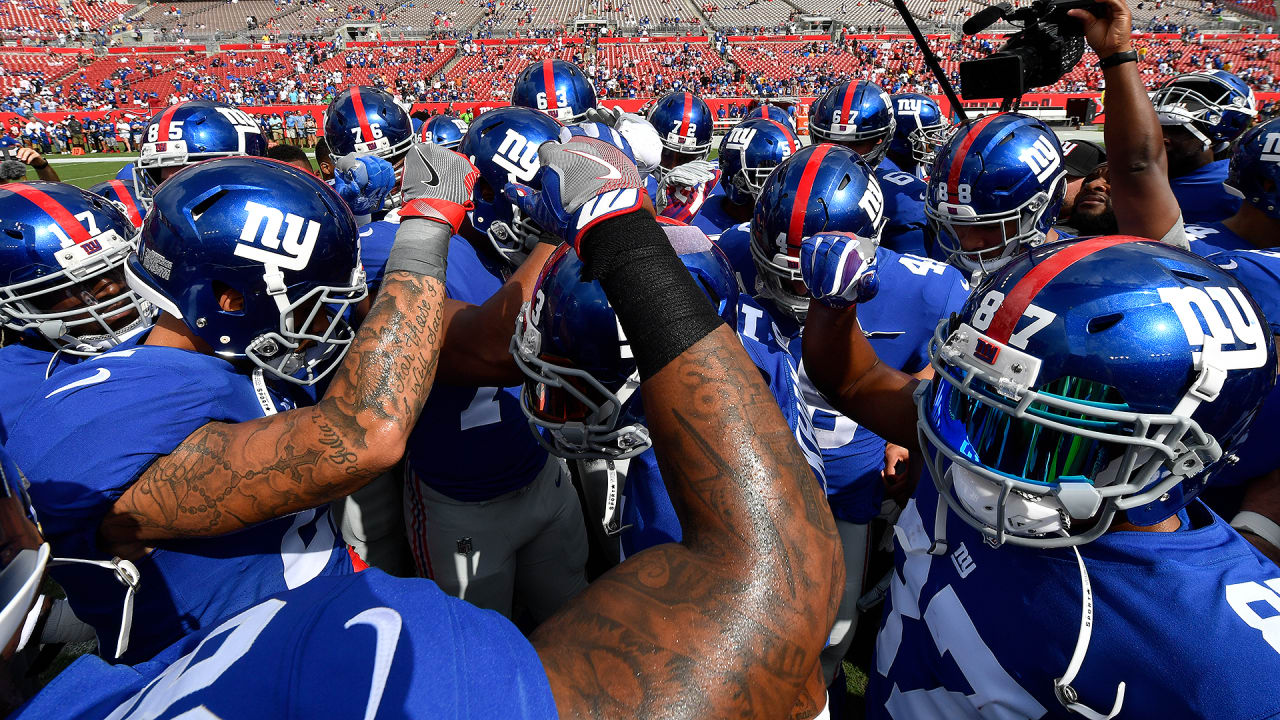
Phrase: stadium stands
[652,69]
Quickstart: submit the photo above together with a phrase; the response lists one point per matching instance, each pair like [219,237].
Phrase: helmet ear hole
[230,300]
[1102,323]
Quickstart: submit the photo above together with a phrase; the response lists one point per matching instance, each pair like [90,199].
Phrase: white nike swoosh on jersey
[366,232]
[613,173]
[100,376]
[1231,266]
[386,623]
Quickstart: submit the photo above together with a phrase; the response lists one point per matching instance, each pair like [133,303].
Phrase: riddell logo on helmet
[292,252]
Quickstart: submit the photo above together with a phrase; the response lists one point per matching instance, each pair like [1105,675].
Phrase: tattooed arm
[730,622]
[227,476]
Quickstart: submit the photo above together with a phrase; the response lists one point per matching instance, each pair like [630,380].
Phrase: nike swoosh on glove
[645,143]
[839,268]
[438,185]
[583,181]
[364,182]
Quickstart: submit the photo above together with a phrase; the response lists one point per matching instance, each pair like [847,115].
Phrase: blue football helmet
[62,250]
[503,144]
[1255,168]
[125,195]
[1087,378]
[773,112]
[190,132]
[277,235]
[822,188]
[1215,106]
[444,131]
[367,121]
[684,123]
[920,128]
[1001,175]
[853,114]
[580,372]
[749,152]
[555,87]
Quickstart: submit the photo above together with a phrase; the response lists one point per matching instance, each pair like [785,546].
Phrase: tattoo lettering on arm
[227,476]
[730,622]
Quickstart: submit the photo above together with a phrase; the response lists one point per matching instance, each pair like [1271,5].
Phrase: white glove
[690,174]
[643,138]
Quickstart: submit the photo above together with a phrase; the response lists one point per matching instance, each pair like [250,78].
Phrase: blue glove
[583,181]
[363,182]
[839,268]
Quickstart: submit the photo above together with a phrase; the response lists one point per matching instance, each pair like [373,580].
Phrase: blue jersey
[1259,271]
[1187,620]
[22,369]
[647,507]
[361,646]
[899,322]
[1209,238]
[376,239]
[473,443]
[1201,196]
[87,435]
[714,217]
[905,222]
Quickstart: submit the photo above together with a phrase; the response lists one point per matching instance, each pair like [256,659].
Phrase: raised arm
[837,357]
[227,476]
[477,338]
[1144,203]
[731,621]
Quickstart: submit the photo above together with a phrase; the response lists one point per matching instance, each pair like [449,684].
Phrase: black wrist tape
[658,304]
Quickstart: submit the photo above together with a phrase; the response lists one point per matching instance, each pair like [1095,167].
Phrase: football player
[490,527]
[188,133]
[919,130]
[828,188]
[750,150]
[364,130]
[64,296]
[558,88]
[1201,114]
[245,326]
[1250,176]
[860,116]
[684,124]
[762,532]
[1036,440]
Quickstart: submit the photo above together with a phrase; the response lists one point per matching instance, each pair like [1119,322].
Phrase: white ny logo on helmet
[292,252]
[517,156]
[1240,328]
[1271,148]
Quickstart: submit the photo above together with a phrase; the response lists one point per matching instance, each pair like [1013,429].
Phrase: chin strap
[1062,688]
[127,573]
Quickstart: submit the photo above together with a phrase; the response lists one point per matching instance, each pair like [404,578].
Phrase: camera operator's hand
[36,161]
[1109,34]
[839,268]
[583,181]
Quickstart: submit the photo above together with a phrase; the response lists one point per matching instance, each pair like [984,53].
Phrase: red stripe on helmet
[162,132]
[1016,301]
[791,138]
[126,199]
[61,216]
[357,103]
[847,105]
[686,115]
[549,85]
[795,230]
[957,161]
